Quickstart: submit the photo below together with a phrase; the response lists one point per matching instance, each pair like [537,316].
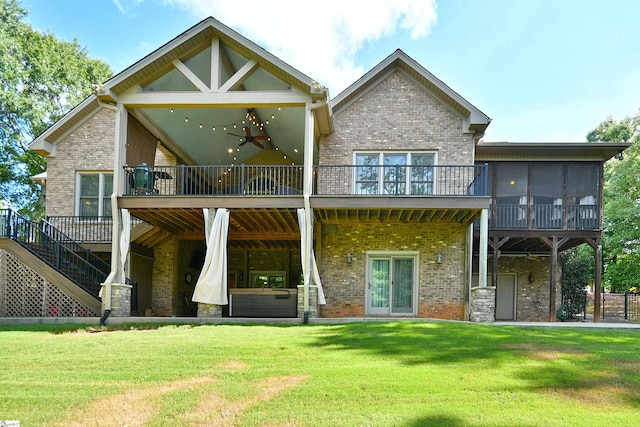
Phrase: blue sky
[543,70]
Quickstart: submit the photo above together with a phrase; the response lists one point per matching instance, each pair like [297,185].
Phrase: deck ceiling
[533,242]
[464,216]
[264,228]
[248,228]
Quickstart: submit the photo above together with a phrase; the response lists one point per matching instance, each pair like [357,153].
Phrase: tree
[41,79]
[577,272]
[621,228]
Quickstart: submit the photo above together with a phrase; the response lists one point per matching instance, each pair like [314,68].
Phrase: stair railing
[75,262]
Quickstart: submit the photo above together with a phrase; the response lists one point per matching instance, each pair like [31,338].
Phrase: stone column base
[120,299]
[209,310]
[483,304]
[313,301]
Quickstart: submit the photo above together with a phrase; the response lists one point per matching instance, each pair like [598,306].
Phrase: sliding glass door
[391,284]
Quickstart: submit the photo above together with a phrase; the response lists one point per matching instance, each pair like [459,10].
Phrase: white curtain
[125,238]
[306,245]
[211,287]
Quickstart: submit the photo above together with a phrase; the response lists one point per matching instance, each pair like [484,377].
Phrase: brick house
[214,180]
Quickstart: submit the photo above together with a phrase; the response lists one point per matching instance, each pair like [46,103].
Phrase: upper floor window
[94,194]
[395,173]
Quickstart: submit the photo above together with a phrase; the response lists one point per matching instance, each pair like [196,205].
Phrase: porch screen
[583,180]
[511,181]
[211,287]
[547,190]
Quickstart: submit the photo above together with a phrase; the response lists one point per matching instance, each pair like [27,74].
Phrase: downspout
[115,213]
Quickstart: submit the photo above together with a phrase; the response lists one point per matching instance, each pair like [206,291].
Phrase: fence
[621,306]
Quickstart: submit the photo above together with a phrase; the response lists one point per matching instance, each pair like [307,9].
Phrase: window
[267,279]
[395,173]
[94,194]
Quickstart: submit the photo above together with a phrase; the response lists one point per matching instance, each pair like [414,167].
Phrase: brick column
[483,304]
[120,299]
[209,310]
[313,301]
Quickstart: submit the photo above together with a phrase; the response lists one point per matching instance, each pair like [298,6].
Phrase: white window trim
[101,195]
[416,277]
[408,156]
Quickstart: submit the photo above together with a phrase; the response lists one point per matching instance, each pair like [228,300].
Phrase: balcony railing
[224,180]
[400,180]
[274,180]
[86,229]
[545,217]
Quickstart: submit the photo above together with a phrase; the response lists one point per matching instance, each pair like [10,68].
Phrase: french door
[391,284]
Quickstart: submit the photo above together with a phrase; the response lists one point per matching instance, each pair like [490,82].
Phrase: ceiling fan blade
[261,137]
[242,143]
[247,130]
[257,144]
[233,134]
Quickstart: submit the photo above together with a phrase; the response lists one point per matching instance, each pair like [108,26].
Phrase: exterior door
[391,285]
[506,297]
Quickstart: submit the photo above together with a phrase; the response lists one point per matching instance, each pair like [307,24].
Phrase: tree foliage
[577,272]
[621,228]
[41,79]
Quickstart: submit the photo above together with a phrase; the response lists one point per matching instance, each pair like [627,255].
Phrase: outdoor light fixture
[349,258]
[439,258]
[531,278]
[619,156]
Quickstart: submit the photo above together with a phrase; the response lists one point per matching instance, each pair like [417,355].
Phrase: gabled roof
[475,120]
[193,40]
[164,59]
[44,143]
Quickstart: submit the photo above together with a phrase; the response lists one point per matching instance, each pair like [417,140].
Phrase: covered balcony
[288,180]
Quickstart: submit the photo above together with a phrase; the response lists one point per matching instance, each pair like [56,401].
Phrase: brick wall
[440,288]
[397,114]
[88,148]
[163,291]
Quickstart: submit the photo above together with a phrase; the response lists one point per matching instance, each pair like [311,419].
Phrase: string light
[250,117]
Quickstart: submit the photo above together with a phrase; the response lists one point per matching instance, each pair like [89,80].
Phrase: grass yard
[371,374]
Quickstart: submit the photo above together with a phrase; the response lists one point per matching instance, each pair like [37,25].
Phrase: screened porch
[545,195]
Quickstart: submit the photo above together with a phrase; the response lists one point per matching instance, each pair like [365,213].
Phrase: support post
[483,298]
[597,293]
[483,249]
[494,263]
[552,279]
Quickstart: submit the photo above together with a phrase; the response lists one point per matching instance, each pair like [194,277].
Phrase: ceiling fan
[250,138]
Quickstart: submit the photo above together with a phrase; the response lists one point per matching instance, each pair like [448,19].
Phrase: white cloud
[320,41]
[125,8]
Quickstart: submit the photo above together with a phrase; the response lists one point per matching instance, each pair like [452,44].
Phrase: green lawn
[373,374]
